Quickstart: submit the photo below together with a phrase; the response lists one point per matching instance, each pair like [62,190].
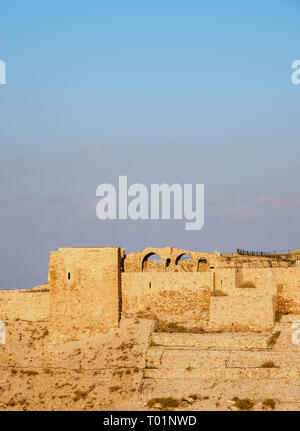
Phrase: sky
[169,92]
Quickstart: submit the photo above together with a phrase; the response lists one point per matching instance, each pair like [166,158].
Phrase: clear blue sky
[161,91]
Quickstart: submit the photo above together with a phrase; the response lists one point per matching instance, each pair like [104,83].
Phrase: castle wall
[288,282]
[24,305]
[237,313]
[174,297]
[289,299]
[84,292]
[88,290]
[281,281]
[170,260]
[231,281]
[225,280]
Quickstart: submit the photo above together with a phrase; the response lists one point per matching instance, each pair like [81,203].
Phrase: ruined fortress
[90,289]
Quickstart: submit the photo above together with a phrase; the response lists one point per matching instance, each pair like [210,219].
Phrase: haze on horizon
[173,92]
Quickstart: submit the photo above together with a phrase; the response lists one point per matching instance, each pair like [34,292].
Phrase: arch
[152,262]
[184,262]
[202,265]
[182,258]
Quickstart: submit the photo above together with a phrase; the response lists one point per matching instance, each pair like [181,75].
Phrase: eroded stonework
[90,289]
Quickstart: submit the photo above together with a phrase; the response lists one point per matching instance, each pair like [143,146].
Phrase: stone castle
[90,289]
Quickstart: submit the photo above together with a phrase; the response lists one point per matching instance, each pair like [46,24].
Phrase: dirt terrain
[136,368]
[100,373]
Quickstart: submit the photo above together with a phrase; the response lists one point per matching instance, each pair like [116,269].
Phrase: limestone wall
[288,282]
[210,341]
[175,297]
[225,280]
[234,281]
[288,299]
[238,313]
[89,287]
[284,282]
[24,305]
[170,260]
[84,292]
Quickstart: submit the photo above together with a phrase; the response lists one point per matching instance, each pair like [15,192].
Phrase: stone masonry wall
[84,292]
[88,290]
[238,313]
[284,282]
[174,297]
[24,305]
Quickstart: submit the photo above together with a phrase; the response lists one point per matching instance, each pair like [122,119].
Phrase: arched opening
[152,262]
[183,262]
[182,258]
[168,265]
[202,265]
